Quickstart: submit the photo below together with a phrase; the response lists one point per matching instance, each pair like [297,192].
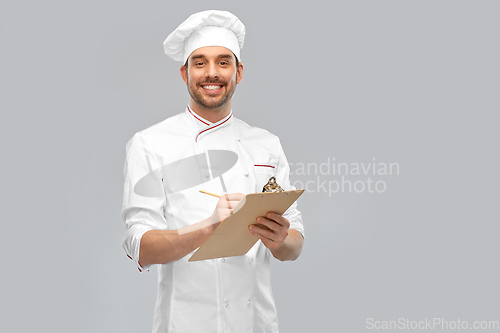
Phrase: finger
[261,233]
[233,196]
[230,206]
[268,242]
[278,219]
[232,199]
[268,223]
[226,204]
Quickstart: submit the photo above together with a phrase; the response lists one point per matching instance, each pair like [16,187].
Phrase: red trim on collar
[264,165]
[196,139]
[193,114]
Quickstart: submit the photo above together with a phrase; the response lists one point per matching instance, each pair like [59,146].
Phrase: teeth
[211,87]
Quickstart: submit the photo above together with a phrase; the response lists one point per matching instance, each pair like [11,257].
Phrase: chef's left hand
[275,236]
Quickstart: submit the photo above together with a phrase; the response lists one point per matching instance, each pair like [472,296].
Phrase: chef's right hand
[225,206]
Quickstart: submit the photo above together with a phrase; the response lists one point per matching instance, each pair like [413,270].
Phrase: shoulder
[160,131]
[169,125]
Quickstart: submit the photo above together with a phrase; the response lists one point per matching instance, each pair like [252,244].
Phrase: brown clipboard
[232,238]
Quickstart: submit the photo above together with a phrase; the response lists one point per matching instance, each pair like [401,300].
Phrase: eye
[223,63]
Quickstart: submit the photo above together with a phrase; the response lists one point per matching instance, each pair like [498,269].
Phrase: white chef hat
[207,28]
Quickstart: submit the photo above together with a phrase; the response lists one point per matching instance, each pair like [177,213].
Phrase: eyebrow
[223,56]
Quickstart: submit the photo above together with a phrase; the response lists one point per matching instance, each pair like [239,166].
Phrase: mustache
[213,81]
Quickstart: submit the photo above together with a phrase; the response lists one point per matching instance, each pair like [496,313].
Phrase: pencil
[215,195]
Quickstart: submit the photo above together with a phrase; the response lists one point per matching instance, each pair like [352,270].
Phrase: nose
[212,70]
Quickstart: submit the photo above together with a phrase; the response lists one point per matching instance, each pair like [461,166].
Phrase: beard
[210,102]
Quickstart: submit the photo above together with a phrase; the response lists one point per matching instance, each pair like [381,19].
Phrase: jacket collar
[204,126]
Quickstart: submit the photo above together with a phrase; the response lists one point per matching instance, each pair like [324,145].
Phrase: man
[166,216]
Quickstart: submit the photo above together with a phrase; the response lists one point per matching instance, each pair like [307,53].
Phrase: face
[211,76]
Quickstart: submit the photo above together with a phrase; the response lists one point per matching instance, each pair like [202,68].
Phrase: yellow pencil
[215,195]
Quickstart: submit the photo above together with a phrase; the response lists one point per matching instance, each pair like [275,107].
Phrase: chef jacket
[220,295]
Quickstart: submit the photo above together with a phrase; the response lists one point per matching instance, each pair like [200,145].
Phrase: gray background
[408,82]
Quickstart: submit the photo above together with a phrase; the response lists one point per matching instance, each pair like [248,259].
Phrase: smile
[211,87]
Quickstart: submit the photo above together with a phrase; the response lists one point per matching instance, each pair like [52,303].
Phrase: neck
[211,114]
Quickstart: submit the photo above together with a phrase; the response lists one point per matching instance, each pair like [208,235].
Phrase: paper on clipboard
[232,238]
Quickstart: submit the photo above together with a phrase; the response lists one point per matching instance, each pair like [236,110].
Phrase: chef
[168,218]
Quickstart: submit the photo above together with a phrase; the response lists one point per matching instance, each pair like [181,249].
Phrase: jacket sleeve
[143,212]
[283,178]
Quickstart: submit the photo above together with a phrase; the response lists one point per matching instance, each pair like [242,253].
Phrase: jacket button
[248,302]
[246,174]
[225,304]
[223,259]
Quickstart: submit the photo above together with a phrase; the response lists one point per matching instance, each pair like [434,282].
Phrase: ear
[239,73]
[184,74]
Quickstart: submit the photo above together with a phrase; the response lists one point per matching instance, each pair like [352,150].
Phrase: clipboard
[232,238]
